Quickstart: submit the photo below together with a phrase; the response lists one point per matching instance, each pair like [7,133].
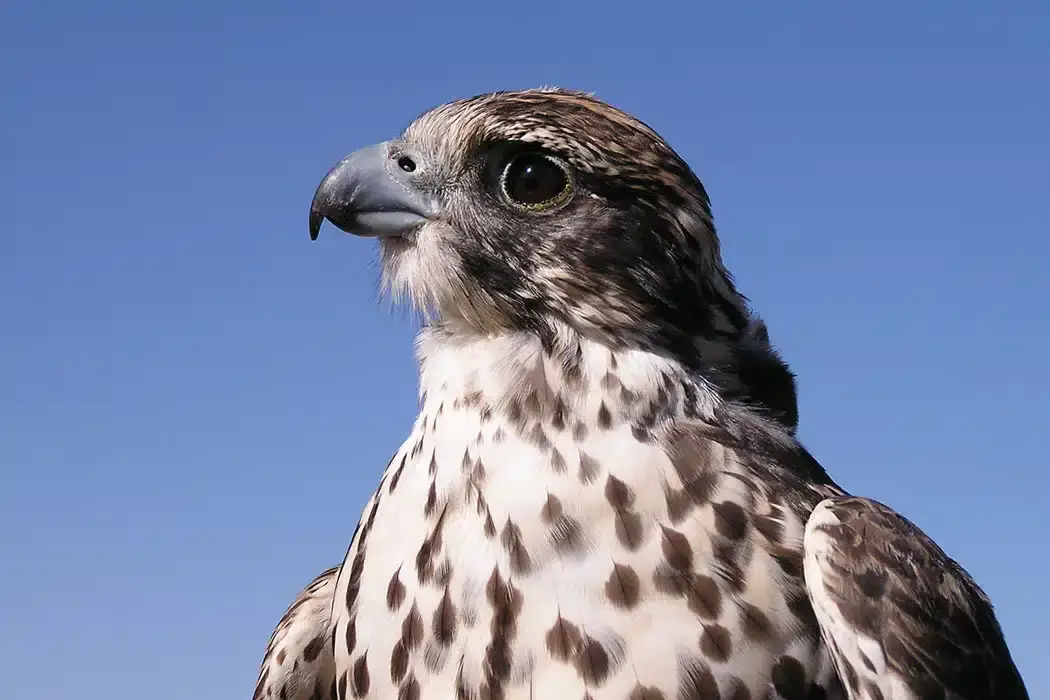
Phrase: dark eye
[535,181]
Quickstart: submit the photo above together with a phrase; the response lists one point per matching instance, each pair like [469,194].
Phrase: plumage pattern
[603,495]
[903,620]
[501,580]
[298,663]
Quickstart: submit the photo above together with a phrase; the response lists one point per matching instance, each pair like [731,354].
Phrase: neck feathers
[567,379]
[564,374]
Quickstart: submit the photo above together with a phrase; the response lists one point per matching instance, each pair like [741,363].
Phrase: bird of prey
[603,496]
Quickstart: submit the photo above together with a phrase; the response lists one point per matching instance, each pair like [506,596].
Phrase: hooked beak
[372,192]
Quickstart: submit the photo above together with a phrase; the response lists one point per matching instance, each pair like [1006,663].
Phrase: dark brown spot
[701,486]
[409,690]
[491,689]
[558,462]
[646,692]
[771,528]
[789,678]
[728,568]
[445,620]
[359,680]
[730,520]
[342,686]
[755,623]
[868,663]
[558,418]
[462,692]
[563,639]
[532,403]
[592,662]
[702,594]
[520,562]
[641,433]
[552,509]
[789,560]
[716,643]
[799,605]
[312,650]
[412,628]
[579,431]
[610,382]
[490,527]
[690,452]
[395,591]
[696,682]
[872,583]
[738,690]
[425,560]
[874,692]
[497,660]
[351,635]
[817,692]
[353,586]
[506,605]
[397,475]
[398,662]
[567,535]
[604,417]
[679,504]
[589,468]
[629,530]
[432,469]
[431,503]
[704,597]
[677,552]
[619,494]
[623,587]
[514,411]
[281,656]
[539,438]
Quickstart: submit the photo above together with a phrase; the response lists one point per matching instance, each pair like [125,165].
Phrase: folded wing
[299,663]
[902,619]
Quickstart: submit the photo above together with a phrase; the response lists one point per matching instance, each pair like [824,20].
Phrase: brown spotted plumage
[602,496]
[299,664]
[902,619]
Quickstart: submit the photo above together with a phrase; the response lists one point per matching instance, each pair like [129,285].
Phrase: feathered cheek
[421,268]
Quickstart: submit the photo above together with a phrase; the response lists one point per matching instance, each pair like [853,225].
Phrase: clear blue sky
[195,401]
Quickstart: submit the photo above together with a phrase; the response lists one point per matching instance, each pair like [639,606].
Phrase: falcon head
[545,210]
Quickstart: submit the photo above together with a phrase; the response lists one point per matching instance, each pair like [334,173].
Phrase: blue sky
[196,400]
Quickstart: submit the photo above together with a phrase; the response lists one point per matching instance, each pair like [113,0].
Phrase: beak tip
[316,219]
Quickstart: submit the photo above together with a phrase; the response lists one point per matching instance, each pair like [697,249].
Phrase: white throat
[578,380]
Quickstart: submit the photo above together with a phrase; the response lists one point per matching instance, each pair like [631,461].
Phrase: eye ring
[536,181]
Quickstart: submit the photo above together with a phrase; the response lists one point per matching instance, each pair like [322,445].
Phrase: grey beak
[372,192]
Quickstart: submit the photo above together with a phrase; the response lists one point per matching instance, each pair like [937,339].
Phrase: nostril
[406,164]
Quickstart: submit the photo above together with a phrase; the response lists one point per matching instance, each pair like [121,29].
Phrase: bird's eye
[535,181]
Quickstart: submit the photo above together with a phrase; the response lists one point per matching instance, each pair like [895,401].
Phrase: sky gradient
[195,400]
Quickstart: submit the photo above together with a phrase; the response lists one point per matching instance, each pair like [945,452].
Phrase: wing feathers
[902,619]
[299,663]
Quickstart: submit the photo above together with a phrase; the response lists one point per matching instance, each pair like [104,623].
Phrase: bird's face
[524,210]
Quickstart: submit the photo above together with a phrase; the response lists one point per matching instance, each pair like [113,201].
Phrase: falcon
[603,495]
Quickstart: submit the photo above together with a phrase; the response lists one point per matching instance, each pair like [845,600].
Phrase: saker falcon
[603,496]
